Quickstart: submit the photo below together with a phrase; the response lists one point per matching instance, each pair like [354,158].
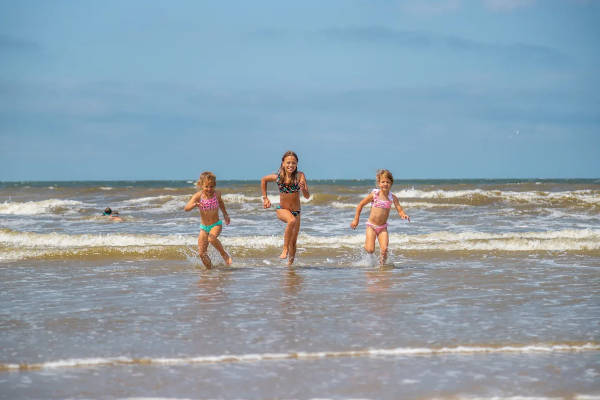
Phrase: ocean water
[490,292]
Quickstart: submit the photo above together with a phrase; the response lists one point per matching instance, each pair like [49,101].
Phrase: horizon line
[316,179]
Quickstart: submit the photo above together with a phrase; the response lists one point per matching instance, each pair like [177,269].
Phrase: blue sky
[94,90]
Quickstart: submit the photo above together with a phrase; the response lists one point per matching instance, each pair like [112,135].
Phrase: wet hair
[384,173]
[282,172]
[107,211]
[206,176]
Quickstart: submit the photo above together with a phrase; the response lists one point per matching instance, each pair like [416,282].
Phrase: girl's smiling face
[384,184]
[208,188]
[290,164]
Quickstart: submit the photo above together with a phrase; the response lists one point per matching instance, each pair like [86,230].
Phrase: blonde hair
[206,176]
[282,172]
[384,173]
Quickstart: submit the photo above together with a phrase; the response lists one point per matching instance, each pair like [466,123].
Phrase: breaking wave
[50,206]
[581,198]
[16,245]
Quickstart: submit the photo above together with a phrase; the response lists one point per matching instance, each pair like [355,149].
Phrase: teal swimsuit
[207,228]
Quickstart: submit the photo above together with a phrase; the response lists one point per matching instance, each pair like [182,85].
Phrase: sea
[491,291]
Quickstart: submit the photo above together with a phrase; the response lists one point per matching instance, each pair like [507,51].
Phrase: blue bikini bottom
[207,228]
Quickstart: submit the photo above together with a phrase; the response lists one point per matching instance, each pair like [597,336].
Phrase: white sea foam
[49,206]
[404,203]
[562,240]
[61,240]
[468,397]
[303,200]
[14,243]
[174,205]
[240,198]
[261,357]
[153,199]
[337,204]
[585,196]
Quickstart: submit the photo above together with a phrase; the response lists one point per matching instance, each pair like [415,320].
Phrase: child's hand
[227,220]
[354,223]
[266,202]
[404,216]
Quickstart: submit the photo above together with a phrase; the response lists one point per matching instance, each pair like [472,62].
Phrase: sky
[429,89]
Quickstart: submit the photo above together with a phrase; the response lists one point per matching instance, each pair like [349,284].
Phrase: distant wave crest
[50,206]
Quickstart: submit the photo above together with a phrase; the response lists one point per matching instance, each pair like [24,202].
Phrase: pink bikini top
[208,204]
[382,203]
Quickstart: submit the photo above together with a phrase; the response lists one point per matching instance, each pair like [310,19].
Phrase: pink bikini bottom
[377,228]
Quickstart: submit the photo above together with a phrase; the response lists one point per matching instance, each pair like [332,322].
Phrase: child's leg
[213,239]
[202,247]
[384,239]
[370,240]
[287,217]
[293,240]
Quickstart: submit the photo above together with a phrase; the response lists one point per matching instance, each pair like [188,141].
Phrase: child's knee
[293,222]
[212,239]
[202,244]
[369,249]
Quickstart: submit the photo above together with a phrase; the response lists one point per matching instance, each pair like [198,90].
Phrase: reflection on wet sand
[212,283]
[379,280]
[292,282]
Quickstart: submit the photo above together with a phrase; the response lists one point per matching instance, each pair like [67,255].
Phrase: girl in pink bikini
[208,200]
[382,200]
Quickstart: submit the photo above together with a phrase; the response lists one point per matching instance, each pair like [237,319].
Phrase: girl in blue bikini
[290,182]
[381,200]
[208,200]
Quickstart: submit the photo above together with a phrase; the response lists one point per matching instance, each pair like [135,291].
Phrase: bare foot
[283,254]
[383,258]
[228,260]
[290,261]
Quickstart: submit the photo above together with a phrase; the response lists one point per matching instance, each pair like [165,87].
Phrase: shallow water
[484,298]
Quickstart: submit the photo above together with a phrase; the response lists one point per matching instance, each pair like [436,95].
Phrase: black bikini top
[283,188]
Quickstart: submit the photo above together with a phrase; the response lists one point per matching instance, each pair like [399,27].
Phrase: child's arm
[193,202]
[304,185]
[223,210]
[399,208]
[263,188]
[359,208]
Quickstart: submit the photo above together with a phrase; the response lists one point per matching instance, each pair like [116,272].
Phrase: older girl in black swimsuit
[290,182]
